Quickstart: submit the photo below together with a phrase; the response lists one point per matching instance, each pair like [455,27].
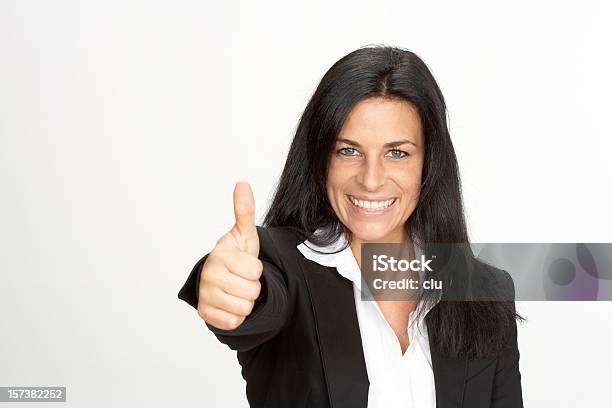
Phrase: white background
[124,125]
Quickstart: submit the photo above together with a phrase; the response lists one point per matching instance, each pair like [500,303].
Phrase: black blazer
[301,344]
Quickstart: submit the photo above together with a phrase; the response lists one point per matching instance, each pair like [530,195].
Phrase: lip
[371,198]
[365,213]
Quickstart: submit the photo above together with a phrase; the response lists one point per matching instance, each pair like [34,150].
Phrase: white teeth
[372,205]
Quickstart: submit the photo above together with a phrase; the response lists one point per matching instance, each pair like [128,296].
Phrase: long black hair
[300,201]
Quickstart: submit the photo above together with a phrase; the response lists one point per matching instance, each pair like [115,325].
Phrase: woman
[371,162]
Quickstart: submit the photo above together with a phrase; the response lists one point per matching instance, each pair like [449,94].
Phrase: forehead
[380,119]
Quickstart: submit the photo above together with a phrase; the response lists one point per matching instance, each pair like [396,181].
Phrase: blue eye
[398,154]
[346,151]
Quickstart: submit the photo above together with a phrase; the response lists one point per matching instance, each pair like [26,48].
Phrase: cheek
[331,196]
[334,176]
[333,182]
[411,183]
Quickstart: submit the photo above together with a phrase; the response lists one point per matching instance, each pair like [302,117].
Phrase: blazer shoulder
[280,240]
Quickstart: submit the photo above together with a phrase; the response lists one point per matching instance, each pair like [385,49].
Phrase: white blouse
[396,380]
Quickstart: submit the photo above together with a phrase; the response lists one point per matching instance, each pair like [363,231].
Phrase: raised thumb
[244,212]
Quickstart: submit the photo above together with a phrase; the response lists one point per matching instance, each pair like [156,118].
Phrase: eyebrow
[390,144]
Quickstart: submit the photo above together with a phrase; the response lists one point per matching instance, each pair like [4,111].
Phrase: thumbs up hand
[229,280]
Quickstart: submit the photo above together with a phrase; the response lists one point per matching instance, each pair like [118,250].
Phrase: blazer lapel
[333,303]
[337,327]
[449,376]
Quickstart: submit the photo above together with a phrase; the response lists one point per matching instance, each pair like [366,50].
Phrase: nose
[371,174]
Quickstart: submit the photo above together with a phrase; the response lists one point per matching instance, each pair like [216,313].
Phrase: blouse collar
[339,255]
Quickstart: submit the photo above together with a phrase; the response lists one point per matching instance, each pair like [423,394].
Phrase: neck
[396,237]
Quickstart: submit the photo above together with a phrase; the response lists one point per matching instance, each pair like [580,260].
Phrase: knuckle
[257,285]
[246,308]
[205,271]
[260,268]
[203,311]
[216,254]
[223,240]
[233,322]
[254,269]
[254,290]
[209,265]
[208,273]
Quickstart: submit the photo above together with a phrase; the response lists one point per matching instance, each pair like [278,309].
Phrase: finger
[219,318]
[244,213]
[242,264]
[218,275]
[229,303]
[242,288]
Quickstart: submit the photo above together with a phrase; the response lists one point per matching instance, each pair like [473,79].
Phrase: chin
[371,232]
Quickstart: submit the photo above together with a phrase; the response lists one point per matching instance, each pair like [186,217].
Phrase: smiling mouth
[371,206]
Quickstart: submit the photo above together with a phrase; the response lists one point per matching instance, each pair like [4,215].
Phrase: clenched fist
[229,280]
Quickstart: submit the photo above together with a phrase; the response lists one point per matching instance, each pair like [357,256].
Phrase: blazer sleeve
[270,310]
[507,390]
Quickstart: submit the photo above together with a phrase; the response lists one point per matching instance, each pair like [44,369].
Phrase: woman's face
[374,177]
